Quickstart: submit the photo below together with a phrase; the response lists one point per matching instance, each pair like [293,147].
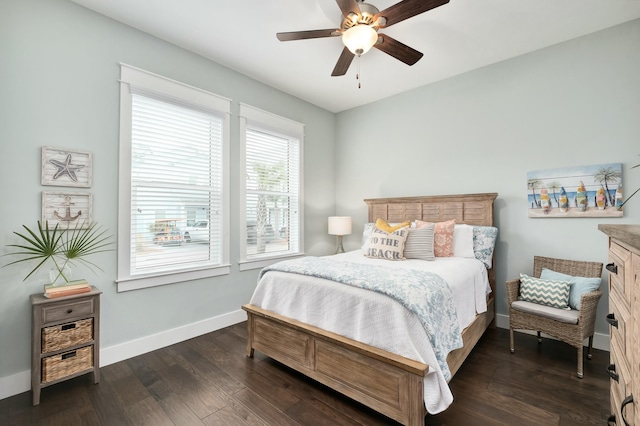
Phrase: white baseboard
[127,350]
[21,382]
[15,384]
[600,341]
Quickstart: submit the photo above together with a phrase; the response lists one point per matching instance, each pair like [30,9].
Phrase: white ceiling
[455,38]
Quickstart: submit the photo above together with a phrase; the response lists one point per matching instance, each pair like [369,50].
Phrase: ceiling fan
[359,30]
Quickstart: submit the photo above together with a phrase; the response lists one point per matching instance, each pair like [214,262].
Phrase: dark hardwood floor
[209,381]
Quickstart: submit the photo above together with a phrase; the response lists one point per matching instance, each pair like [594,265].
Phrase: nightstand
[65,339]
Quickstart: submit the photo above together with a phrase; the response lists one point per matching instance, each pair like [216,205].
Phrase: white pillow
[366,234]
[463,241]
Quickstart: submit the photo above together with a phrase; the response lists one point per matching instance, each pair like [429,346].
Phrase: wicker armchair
[573,334]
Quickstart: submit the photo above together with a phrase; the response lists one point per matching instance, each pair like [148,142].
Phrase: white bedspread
[376,319]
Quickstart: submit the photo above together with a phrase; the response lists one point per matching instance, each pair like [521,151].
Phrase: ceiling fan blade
[406,9]
[301,35]
[343,63]
[348,6]
[398,50]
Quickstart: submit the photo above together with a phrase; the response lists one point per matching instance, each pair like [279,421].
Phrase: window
[173,207]
[271,157]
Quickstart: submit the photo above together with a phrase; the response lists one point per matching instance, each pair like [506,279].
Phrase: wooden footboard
[383,381]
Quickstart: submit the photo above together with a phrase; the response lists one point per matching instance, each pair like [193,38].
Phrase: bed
[400,387]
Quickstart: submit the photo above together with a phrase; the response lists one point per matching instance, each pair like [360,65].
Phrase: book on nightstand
[67,292]
[66,289]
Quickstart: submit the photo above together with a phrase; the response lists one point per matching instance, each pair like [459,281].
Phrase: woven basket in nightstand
[65,364]
[67,335]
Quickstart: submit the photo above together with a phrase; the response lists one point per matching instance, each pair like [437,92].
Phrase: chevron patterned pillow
[545,292]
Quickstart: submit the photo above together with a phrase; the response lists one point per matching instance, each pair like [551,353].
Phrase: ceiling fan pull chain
[358,72]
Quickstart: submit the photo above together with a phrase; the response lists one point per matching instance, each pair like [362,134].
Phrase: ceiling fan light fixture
[359,39]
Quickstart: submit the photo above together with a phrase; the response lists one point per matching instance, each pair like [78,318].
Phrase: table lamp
[339,225]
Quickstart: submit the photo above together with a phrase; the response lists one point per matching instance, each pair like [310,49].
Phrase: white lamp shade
[359,39]
[339,225]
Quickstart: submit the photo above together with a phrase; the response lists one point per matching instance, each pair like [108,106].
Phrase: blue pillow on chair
[579,285]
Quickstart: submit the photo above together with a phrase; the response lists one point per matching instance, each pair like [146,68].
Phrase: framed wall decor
[63,167]
[585,191]
[67,209]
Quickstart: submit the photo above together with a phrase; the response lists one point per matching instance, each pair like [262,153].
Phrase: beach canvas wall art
[585,191]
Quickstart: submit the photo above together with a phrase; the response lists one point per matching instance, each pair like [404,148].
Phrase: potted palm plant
[62,246]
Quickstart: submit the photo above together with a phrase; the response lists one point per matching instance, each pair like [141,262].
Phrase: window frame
[159,87]
[280,126]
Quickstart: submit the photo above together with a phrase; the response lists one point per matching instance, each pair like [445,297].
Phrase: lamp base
[339,248]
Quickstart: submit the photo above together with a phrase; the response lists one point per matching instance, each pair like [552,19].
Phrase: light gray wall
[577,103]
[572,104]
[59,87]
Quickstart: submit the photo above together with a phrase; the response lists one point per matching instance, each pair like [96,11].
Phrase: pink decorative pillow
[442,237]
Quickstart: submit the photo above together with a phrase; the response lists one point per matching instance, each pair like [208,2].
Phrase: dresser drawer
[621,387]
[620,334]
[621,260]
[68,310]
[62,365]
[67,335]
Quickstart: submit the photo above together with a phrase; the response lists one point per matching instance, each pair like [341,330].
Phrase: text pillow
[387,245]
[368,227]
[579,285]
[544,292]
[419,244]
[443,237]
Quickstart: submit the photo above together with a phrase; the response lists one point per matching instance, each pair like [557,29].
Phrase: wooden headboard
[472,209]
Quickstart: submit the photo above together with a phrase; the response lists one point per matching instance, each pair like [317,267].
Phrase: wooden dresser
[624,318]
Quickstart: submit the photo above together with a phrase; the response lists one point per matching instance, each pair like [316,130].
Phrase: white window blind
[176,180]
[175,216]
[272,210]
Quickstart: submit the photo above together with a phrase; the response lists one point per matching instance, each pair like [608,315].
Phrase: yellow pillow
[382,224]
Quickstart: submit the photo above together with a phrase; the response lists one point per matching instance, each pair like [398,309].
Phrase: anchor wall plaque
[63,167]
[67,209]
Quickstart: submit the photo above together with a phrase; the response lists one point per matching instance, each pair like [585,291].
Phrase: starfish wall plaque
[61,167]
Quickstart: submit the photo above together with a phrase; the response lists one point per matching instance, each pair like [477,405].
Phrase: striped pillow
[544,292]
[419,244]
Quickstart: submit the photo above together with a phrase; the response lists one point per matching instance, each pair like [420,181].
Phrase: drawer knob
[611,369]
[612,267]
[628,400]
[611,319]
[611,420]
[69,310]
